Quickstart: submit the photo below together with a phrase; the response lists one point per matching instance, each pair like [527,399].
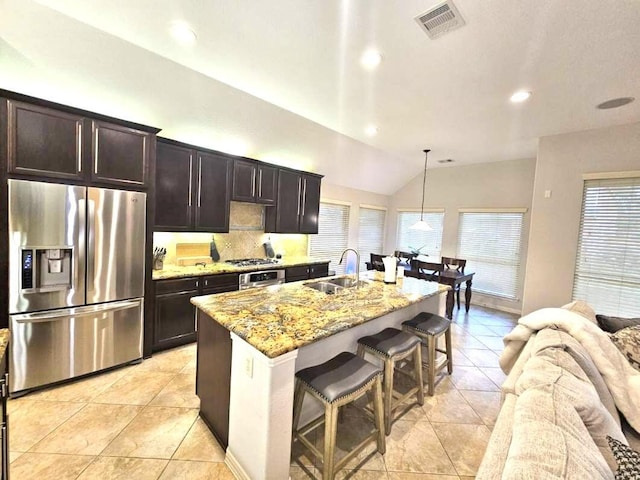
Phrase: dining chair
[376,262]
[404,258]
[451,263]
[425,270]
[458,265]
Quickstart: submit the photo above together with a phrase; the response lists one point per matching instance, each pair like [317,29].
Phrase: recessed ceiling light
[520,96]
[182,33]
[371,130]
[615,103]
[370,59]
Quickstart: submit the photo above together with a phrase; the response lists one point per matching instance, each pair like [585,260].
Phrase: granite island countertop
[4,341]
[281,318]
[176,271]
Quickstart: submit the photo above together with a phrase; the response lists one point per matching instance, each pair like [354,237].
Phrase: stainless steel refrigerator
[76,280]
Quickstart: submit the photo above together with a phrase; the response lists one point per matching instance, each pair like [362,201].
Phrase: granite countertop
[282,318]
[175,271]
[4,341]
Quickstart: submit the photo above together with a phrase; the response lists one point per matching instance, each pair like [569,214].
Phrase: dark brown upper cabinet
[192,189]
[309,203]
[174,188]
[50,140]
[298,203]
[213,188]
[254,182]
[44,142]
[119,154]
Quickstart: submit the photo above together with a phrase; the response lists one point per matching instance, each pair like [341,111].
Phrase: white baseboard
[492,306]
[235,467]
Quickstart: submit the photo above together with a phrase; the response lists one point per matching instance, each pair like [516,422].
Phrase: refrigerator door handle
[91,245]
[74,312]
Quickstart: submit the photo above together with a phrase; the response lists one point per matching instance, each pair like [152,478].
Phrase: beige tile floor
[141,422]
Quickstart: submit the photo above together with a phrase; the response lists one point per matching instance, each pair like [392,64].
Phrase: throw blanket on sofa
[621,378]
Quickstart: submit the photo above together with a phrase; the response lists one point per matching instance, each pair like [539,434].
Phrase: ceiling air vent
[440,19]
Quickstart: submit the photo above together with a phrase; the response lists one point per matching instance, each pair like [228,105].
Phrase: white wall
[491,185]
[555,222]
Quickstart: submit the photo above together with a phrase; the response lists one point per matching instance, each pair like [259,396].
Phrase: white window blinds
[491,243]
[333,234]
[429,243]
[607,274]
[370,233]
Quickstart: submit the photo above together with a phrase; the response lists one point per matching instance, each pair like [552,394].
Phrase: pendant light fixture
[421,224]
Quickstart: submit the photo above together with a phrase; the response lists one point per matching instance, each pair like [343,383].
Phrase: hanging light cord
[424,182]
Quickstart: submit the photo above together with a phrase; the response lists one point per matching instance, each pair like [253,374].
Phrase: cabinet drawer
[178,285]
[317,271]
[227,281]
[298,273]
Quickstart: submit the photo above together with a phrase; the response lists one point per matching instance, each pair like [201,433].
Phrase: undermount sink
[346,282]
[325,287]
[335,285]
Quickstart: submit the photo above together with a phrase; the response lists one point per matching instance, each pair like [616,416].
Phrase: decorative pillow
[628,460]
[583,308]
[613,324]
[628,342]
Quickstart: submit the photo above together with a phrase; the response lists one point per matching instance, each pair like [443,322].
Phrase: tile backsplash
[244,240]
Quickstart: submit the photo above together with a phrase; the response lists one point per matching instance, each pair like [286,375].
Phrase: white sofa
[556,414]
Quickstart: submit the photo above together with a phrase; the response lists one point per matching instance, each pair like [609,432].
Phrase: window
[429,243]
[491,243]
[333,234]
[370,233]
[607,272]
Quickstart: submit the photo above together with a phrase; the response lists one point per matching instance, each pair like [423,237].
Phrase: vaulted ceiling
[450,94]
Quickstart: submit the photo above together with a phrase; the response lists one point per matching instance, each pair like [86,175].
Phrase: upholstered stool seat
[429,327]
[392,345]
[335,383]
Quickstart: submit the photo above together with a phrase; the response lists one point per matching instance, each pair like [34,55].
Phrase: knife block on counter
[188,254]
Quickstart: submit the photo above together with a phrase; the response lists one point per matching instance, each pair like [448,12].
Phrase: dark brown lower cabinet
[175,315]
[213,376]
[4,424]
[306,272]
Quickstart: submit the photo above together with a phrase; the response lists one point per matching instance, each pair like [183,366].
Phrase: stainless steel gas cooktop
[247,262]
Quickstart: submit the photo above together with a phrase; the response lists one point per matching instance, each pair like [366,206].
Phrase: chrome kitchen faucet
[357,263]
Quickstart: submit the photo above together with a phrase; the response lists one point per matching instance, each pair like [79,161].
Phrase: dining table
[453,278]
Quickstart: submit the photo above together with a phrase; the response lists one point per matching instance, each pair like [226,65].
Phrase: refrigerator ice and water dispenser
[46,269]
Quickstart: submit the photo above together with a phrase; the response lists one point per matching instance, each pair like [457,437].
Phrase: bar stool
[392,345]
[335,383]
[429,327]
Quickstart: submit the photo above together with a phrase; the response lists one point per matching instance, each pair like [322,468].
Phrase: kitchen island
[251,343]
